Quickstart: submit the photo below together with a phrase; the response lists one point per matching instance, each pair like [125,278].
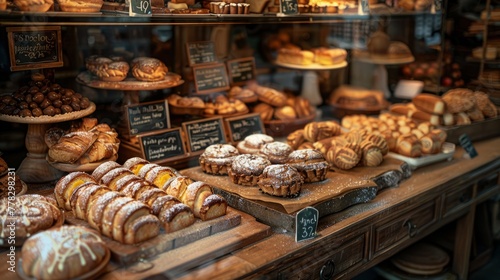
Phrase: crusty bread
[82,197]
[430,103]
[176,217]
[71,146]
[96,209]
[125,218]
[141,229]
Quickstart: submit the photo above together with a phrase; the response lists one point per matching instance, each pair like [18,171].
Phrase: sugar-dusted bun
[162,201]
[217,158]
[109,213]
[80,6]
[276,152]
[81,198]
[30,213]
[104,168]
[141,229]
[149,195]
[115,71]
[67,185]
[176,217]
[135,164]
[66,252]
[246,169]
[149,70]
[111,177]
[310,163]
[252,143]
[96,209]
[177,186]
[193,193]
[122,183]
[281,180]
[133,189]
[125,221]
[143,172]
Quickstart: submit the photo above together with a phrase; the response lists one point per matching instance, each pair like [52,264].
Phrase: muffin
[252,143]
[281,180]
[276,152]
[311,164]
[246,169]
[217,158]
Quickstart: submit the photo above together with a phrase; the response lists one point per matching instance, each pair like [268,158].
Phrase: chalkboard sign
[365,7]
[34,47]
[466,143]
[241,70]
[203,133]
[306,223]
[210,78]
[289,7]
[201,52]
[147,117]
[140,8]
[162,146]
[242,126]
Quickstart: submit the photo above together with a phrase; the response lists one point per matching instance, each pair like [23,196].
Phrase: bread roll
[429,103]
[459,100]
[431,144]
[176,217]
[408,145]
[71,146]
[67,185]
[485,105]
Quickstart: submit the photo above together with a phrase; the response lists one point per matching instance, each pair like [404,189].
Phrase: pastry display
[149,69]
[66,252]
[38,6]
[268,95]
[243,94]
[356,98]
[85,142]
[185,104]
[222,105]
[280,180]
[276,152]
[316,131]
[217,158]
[40,97]
[80,6]
[310,163]
[229,8]
[32,213]
[253,143]
[246,169]
[322,56]
[329,56]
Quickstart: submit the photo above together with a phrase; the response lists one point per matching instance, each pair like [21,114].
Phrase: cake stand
[35,168]
[380,80]
[310,85]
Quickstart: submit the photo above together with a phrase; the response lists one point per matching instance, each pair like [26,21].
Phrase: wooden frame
[236,64]
[26,52]
[192,139]
[169,136]
[156,126]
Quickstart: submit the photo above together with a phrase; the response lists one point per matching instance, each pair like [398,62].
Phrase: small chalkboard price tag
[34,47]
[242,126]
[466,144]
[210,78]
[147,117]
[241,70]
[201,52]
[162,146]
[203,133]
[140,8]
[288,7]
[364,6]
[306,223]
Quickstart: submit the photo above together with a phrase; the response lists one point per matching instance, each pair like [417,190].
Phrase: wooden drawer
[407,225]
[326,263]
[487,183]
[457,199]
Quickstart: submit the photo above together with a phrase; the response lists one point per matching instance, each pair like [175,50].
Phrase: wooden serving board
[340,190]
[126,254]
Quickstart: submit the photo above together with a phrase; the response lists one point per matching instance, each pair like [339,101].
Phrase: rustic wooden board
[125,254]
[339,191]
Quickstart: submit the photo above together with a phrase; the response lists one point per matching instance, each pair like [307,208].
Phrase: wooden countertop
[261,255]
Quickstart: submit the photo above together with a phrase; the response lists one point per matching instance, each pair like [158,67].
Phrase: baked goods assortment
[198,196]
[86,141]
[358,99]
[117,69]
[224,106]
[403,135]
[30,213]
[229,8]
[41,97]
[185,104]
[87,6]
[38,6]
[459,106]
[294,108]
[66,252]
[322,56]
[253,143]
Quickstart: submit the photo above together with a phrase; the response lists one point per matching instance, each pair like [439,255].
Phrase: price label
[34,47]
[242,126]
[289,7]
[201,52]
[140,7]
[203,133]
[162,146]
[466,143]
[147,117]
[364,5]
[306,223]
[210,78]
[241,70]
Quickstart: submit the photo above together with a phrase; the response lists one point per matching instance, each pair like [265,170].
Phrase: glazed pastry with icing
[281,180]
[217,158]
[66,252]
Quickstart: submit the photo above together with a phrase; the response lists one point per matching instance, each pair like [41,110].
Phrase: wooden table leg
[463,242]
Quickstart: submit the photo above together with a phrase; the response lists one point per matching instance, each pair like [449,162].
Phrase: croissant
[71,146]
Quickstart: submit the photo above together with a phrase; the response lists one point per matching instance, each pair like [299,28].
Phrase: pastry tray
[447,152]
[340,190]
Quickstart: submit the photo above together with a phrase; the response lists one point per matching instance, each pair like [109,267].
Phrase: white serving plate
[447,152]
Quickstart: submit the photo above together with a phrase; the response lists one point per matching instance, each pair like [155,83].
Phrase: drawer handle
[412,228]
[327,270]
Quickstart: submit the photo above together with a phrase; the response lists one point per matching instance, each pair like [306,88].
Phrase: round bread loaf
[63,253]
[276,152]
[217,158]
[265,110]
[246,169]
[281,180]
[311,164]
